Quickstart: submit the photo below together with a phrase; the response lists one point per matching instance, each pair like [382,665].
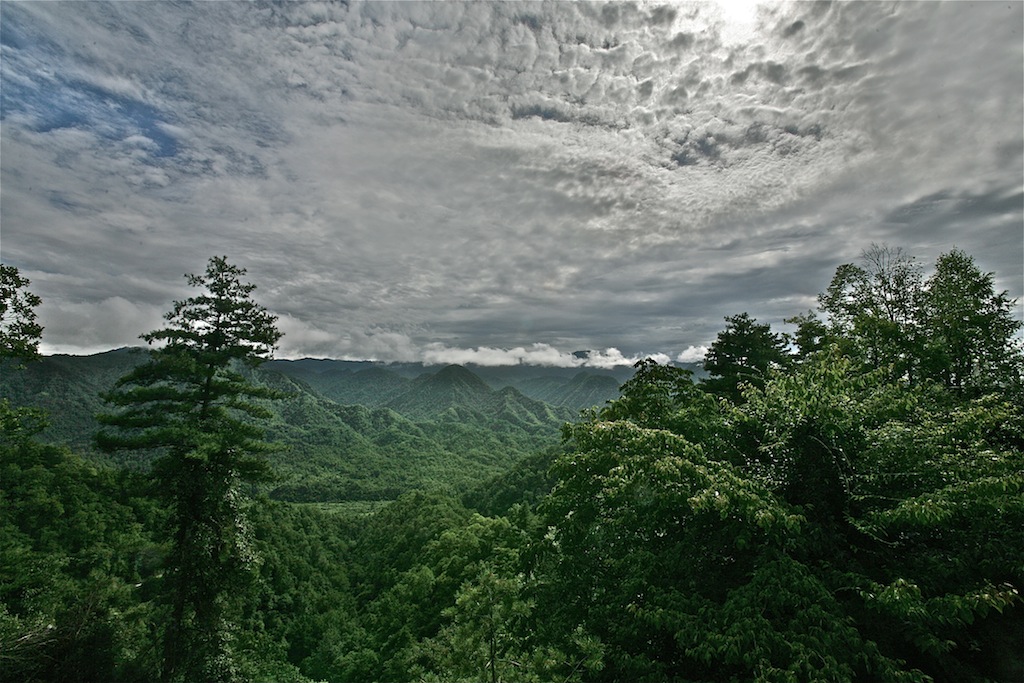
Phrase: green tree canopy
[873,308]
[811,334]
[969,328]
[836,526]
[952,328]
[850,519]
[19,341]
[19,331]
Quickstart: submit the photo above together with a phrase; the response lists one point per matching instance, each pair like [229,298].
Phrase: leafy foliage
[19,341]
[853,511]
[969,329]
[19,331]
[873,310]
[78,567]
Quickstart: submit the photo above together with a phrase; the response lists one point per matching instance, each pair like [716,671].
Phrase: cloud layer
[498,182]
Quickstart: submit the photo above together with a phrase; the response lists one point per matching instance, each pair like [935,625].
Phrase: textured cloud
[92,327]
[500,180]
[536,354]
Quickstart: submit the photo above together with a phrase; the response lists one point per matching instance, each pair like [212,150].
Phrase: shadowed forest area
[844,502]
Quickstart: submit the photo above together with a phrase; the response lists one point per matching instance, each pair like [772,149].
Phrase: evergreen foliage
[742,355]
[851,511]
[187,402]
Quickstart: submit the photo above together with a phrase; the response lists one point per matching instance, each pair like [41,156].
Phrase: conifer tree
[742,355]
[191,404]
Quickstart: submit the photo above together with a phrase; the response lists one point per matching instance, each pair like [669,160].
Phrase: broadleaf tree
[19,330]
[874,310]
[193,406]
[20,335]
[857,517]
[970,329]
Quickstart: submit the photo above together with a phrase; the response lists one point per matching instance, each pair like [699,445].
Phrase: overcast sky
[495,181]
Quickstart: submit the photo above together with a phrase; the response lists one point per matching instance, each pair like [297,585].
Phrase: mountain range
[353,430]
[374,384]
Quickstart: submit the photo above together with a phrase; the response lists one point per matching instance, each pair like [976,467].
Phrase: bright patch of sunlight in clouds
[499,182]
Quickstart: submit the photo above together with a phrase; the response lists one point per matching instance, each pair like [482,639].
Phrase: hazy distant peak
[459,375]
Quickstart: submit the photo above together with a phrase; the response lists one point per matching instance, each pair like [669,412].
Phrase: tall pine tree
[192,405]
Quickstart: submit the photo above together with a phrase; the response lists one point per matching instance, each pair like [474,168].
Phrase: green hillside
[448,430]
[584,390]
[366,386]
[455,394]
[375,384]
[847,508]
[68,388]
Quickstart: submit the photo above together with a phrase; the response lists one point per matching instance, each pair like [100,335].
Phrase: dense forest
[840,503]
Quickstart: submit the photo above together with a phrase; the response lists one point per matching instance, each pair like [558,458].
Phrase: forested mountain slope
[845,507]
[374,384]
[455,394]
[448,430]
[68,388]
[345,382]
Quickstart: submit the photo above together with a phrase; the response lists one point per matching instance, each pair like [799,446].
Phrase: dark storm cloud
[504,182]
[952,217]
[945,209]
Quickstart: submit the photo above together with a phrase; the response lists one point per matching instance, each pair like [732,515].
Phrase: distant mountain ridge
[430,395]
[60,380]
[374,384]
[454,393]
[353,430]
[68,388]
[582,391]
